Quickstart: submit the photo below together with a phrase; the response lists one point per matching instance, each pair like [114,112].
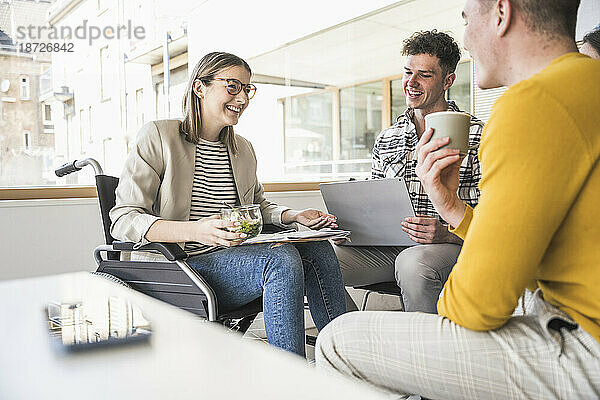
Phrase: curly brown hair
[434,43]
[593,38]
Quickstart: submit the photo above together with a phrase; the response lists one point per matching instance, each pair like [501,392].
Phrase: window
[308,134]
[160,101]
[90,133]
[398,102]
[105,64]
[139,108]
[360,123]
[47,113]
[48,126]
[25,89]
[27,139]
[84,134]
[327,85]
[460,91]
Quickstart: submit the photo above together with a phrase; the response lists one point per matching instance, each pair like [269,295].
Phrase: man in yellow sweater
[535,227]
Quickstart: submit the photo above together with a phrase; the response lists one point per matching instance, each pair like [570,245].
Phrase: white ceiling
[363,49]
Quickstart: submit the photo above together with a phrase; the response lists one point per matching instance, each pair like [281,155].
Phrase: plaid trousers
[544,355]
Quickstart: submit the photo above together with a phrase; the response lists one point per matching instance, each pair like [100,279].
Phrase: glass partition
[460,91]
[398,99]
[308,134]
[360,123]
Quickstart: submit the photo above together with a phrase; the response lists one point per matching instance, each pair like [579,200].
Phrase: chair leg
[364,302]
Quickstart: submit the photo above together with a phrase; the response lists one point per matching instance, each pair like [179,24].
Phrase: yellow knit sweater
[537,223]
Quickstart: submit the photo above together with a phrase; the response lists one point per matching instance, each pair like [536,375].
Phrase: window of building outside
[27,139]
[105,66]
[308,134]
[82,130]
[360,123]
[398,99]
[139,108]
[25,88]
[160,104]
[47,112]
[461,90]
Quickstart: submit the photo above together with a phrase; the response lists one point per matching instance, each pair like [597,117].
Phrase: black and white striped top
[213,185]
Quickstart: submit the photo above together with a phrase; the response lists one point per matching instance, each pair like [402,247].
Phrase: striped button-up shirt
[394,156]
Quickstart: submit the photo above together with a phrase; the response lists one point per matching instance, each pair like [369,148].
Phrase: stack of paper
[299,236]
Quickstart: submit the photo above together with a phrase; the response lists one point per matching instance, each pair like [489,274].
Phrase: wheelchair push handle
[76,165]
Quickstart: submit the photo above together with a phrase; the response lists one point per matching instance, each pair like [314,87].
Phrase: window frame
[103,82]
[44,120]
[27,138]
[24,83]
[70,192]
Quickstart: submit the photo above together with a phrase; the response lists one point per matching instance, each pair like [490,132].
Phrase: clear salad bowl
[248,216]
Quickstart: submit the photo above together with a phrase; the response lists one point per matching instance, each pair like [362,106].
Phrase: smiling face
[424,83]
[219,108]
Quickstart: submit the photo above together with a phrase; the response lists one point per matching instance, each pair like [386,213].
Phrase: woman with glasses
[175,182]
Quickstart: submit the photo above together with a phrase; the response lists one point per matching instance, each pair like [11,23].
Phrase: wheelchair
[172,281]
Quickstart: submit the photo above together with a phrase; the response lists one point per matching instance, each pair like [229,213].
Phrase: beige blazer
[157,179]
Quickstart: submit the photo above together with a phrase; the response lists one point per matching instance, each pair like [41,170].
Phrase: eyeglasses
[234,86]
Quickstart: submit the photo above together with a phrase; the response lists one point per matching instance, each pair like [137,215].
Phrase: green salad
[248,225]
[250,228]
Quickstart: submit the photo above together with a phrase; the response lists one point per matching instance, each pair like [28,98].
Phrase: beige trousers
[420,271]
[543,355]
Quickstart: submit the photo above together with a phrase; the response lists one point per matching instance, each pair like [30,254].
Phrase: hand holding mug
[438,170]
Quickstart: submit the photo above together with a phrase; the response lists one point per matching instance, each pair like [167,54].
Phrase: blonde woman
[174,183]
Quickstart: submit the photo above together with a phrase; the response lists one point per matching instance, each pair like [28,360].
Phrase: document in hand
[299,236]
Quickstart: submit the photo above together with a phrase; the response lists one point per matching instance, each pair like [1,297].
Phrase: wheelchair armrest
[171,251]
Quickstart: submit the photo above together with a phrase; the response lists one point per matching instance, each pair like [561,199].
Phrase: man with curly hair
[534,227]
[420,271]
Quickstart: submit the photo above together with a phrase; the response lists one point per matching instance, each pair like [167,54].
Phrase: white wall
[46,237]
[43,237]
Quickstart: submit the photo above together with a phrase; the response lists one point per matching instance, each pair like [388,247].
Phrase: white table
[186,358]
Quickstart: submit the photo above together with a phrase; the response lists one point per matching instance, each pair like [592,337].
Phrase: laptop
[371,209]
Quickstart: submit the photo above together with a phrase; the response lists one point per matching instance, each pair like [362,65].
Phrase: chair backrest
[106,186]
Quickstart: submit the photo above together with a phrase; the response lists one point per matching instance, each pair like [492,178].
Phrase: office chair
[389,288]
[172,281]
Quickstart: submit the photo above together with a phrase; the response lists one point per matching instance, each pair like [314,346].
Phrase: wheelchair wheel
[112,278]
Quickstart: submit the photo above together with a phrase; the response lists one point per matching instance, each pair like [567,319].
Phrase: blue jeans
[282,275]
